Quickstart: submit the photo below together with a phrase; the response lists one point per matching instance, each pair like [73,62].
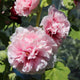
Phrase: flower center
[55,36]
[27,53]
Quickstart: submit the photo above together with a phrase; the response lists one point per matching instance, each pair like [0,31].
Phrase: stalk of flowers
[31,51]
[25,7]
[56,25]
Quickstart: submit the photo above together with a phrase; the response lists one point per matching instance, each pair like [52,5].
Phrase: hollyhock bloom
[14,16]
[31,51]
[56,24]
[25,7]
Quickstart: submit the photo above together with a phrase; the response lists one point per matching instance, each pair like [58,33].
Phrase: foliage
[68,3]
[45,3]
[59,72]
[75,34]
[69,54]
[2,60]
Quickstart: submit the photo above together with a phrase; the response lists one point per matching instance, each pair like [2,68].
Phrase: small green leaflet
[3,55]
[75,34]
[59,72]
[2,67]
[68,3]
[64,11]
[45,3]
[12,76]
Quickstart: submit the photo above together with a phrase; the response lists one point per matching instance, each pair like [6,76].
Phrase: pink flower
[31,51]
[56,24]
[25,7]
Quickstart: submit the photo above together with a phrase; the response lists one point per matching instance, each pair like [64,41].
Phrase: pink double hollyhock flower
[56,25]
[25,7]
[31,51]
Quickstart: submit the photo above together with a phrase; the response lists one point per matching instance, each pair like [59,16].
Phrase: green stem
[13,28]
[38,17]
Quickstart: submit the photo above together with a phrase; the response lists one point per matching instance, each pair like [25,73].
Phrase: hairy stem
[38,16]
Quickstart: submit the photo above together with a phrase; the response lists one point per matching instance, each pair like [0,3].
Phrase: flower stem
[38,17]
[13,28]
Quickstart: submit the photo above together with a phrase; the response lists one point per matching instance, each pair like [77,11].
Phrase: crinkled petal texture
[56,24]
[31,51]
[25,7]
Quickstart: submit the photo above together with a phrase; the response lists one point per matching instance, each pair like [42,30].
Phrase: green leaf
[2,67]
[64,11]
[60,72]
[75,34]
[3,55]
[45,3]
[4,38]
[68,3]
[12,76]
